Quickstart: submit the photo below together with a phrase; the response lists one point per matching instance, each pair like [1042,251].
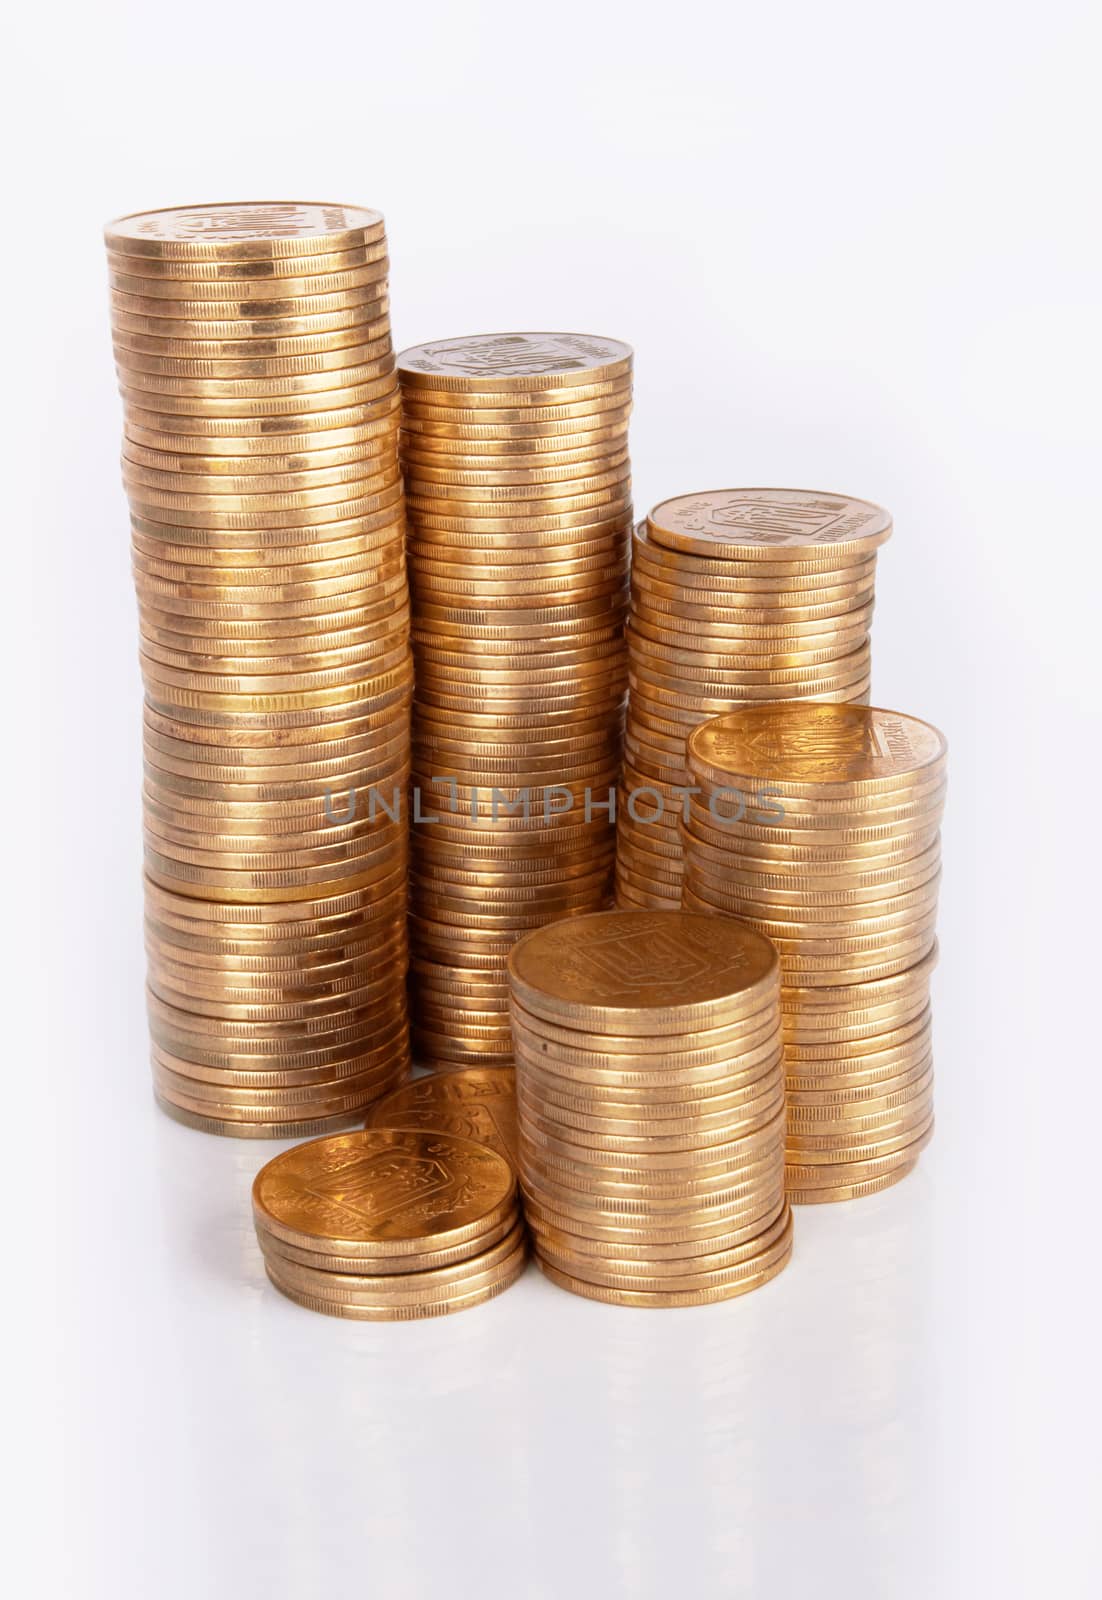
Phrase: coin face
[380,1186]
[803,742]
[749,524]
[512,360]
[267,222]
[479,1104]
[639,961]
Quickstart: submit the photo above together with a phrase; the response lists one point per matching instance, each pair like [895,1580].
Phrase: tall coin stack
[260,459]
[514,448]
[650,1104]
[819,826]
[738,596]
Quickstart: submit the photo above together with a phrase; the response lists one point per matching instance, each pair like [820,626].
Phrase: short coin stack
[260,459]
[650,1103]
[514,448]
[389,1225]
[478,1103]
[819,826]
[738,596]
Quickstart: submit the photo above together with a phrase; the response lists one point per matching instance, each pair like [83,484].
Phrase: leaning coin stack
[260,460]
[738,596]
[478,1103]
[650,1106]
[389,1225]
[818,825]
[514,448]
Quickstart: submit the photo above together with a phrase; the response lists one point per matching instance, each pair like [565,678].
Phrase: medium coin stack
[478,1103]
[389,1225]
[818,825]
[514,448]
[738,596]
[650,1105]
[260,459]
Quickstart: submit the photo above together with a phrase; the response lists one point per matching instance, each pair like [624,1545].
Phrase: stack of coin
[389,1225]
[260,459]
[514,448]
[738,596]
[478,1103]
[819,826]
[650,1105]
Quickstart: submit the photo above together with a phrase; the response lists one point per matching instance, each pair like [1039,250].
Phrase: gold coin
[234,1129]
[798,567]
[306,265]
[350,1064]
[363,301]
[633,973]
[733,1267]
[269,1105]
[217,325]
[474,1289]
[478,1104]
[819,750]
[496,399]
[584,496]
[370,357]
[358,394]
[298,1104]
[584,554]
[514,361]
[651,650]
[241,231]
[417,406]
[246,291]
[611,1144]
[419,1285]
[760,524]
[235,349]
[266,435]
[359,468]
[592,451]
[664,1221]
[565,434]
[680,606]
[431,484]
[384,1192]
[502,1280]
[801,1174]
[431,474]
[223,1052]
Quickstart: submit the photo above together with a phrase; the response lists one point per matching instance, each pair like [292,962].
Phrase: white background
[855,248]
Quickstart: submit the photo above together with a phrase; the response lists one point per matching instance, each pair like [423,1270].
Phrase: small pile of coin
[478,1103]
[260,459]
[738,596]
[650,1105]
[818,825]
[514,448]
[389,1225]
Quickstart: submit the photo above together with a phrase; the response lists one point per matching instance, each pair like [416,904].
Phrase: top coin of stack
[738,596]
[260,459]
[514,448]
[650,1106]
[389,1225]
[819,826]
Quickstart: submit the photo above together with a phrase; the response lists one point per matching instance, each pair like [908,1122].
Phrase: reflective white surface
[854,249]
